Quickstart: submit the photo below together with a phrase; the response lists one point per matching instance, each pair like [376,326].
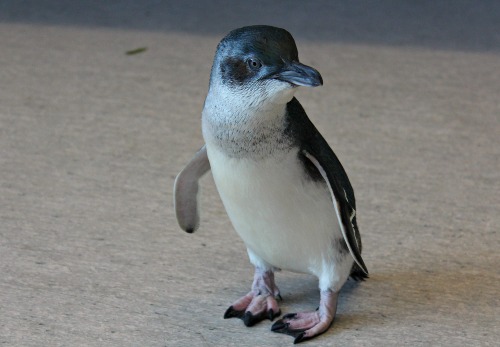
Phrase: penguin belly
[283,216]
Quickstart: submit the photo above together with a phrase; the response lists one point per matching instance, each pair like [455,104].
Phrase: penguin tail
[357,274]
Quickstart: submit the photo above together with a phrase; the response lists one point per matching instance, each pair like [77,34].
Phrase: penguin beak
[299,74]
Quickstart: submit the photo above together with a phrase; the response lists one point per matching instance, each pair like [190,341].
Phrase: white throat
[248,120]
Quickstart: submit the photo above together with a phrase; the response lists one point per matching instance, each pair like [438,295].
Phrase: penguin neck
[242,128]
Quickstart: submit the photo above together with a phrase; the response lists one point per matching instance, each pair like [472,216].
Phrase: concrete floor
[91,140]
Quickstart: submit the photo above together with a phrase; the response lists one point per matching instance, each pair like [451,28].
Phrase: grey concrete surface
[91,140]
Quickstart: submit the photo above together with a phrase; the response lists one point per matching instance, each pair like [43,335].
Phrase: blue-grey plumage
[285,191]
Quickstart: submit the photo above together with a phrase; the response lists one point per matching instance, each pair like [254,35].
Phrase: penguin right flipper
[186,191]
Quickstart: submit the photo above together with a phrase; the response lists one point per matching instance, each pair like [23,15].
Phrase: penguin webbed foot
[306,325]
[302,326]
[260,303]
[254,308]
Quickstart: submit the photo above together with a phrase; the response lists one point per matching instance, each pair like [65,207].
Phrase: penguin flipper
[186,191]
[346,213]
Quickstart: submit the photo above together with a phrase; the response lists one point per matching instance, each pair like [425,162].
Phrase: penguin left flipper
[186,191]
[322,157]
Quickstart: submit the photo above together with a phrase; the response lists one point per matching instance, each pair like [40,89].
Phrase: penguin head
[260,64]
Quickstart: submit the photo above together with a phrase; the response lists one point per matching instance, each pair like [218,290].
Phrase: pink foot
[306,325]
[260,303]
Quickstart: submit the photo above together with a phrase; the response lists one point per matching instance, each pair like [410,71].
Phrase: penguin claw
[280,326]
[300,338]
[249,319]
[232,313]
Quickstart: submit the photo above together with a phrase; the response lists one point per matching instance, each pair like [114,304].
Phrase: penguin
[284,189]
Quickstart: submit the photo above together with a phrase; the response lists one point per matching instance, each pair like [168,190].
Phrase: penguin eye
[254,64]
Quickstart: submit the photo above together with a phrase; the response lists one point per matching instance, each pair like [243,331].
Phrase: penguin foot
[260,303]
[306,325]
[302,326]
[254,308]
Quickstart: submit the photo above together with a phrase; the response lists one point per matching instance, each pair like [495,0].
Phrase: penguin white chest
[283,217]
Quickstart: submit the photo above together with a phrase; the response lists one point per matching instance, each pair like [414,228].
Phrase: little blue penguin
[284,189]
